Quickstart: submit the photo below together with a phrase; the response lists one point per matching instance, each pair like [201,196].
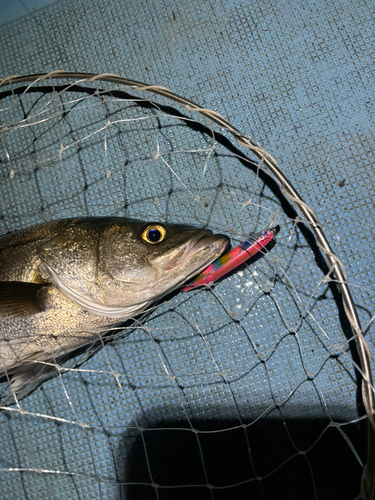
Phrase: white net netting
[243,390]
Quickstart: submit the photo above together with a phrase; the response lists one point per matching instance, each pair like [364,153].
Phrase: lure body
[233,259]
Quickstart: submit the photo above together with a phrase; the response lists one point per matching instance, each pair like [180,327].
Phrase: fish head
[145,260]
[117,266]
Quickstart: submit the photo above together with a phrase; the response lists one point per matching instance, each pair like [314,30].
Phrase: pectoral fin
[19,299]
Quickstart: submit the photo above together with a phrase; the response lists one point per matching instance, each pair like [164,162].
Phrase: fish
[64,283]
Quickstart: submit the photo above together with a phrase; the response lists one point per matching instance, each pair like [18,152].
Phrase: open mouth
[213,244]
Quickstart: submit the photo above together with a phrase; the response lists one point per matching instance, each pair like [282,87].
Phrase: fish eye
[155,233]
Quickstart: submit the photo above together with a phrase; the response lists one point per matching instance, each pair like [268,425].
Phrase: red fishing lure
[234,258]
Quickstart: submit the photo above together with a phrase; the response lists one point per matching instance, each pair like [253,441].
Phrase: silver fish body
[64,283]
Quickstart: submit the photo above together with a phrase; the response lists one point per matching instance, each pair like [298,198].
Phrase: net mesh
[245,388]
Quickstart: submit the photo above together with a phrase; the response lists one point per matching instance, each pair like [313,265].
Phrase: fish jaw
[205,243]
[185,263]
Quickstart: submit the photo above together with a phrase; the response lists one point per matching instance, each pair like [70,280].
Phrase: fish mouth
[203,242]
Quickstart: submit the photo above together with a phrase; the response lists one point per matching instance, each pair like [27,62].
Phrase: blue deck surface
[300,81]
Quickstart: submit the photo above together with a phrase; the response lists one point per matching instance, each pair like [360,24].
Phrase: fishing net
[257,387]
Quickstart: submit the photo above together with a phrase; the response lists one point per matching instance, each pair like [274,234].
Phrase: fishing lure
[234,258]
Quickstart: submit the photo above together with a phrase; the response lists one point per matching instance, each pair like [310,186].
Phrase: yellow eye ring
[154,234]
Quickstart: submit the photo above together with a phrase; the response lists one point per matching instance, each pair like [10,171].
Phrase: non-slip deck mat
[242,390]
